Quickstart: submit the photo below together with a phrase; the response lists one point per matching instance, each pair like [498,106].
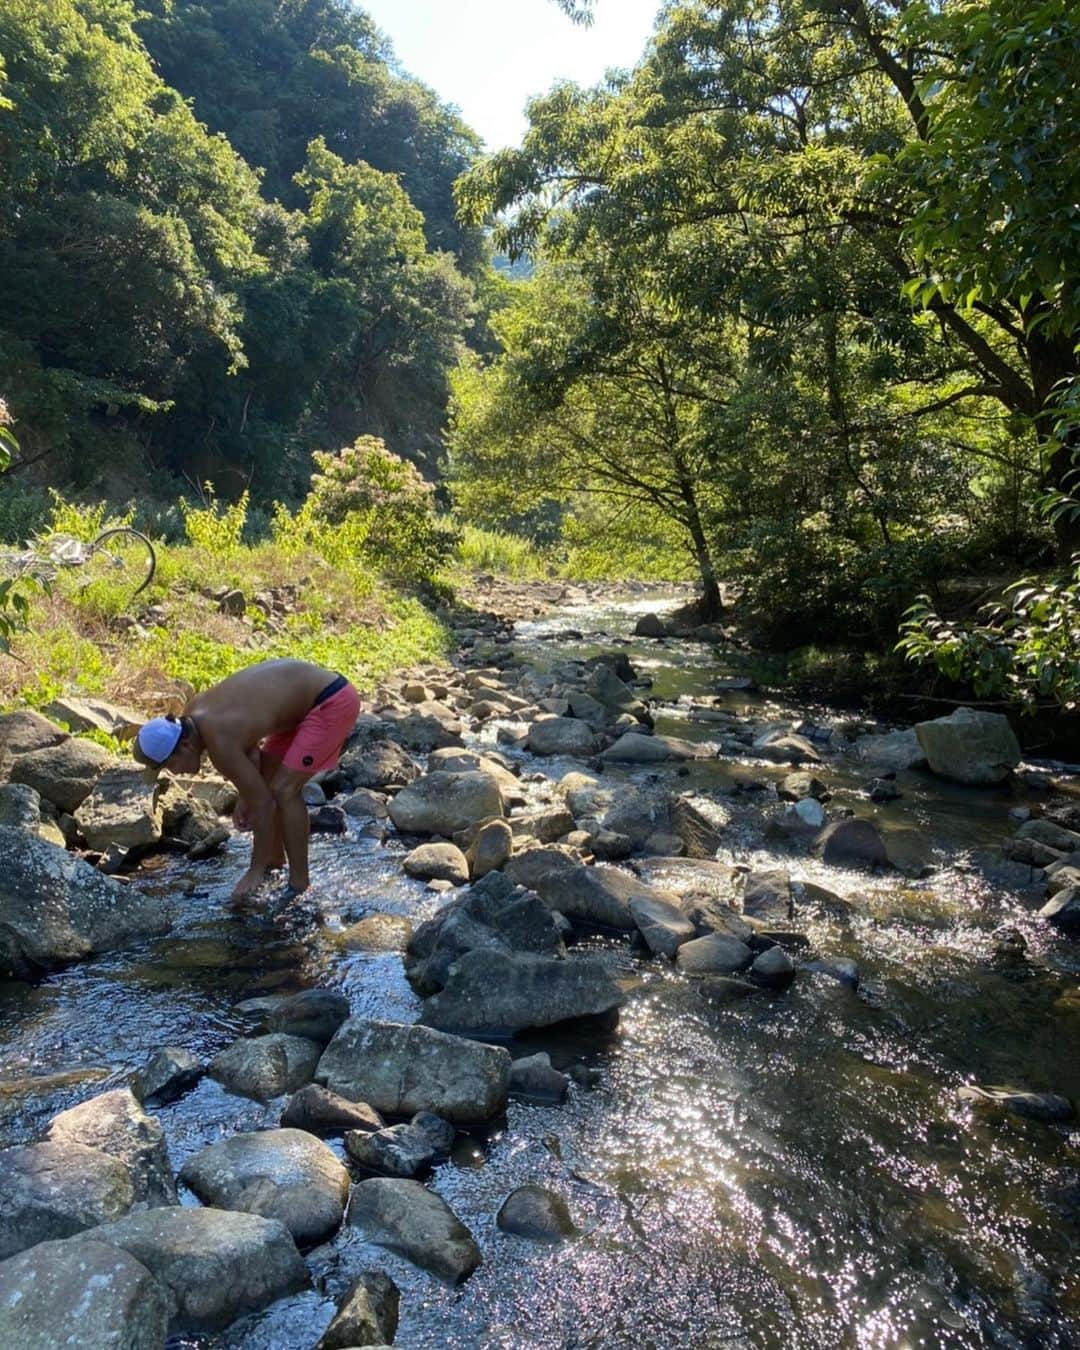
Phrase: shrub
[216,528]
[496,551]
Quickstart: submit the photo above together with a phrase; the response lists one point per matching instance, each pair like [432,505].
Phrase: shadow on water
[792,1171]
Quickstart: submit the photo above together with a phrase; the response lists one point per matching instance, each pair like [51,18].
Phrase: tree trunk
[712,605]
[1053,362]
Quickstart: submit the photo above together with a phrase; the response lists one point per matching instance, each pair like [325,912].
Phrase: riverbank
[727,1147]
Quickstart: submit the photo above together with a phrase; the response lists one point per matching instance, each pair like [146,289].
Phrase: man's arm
[237,765]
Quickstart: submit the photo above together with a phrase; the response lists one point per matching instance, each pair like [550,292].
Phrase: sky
[489,56]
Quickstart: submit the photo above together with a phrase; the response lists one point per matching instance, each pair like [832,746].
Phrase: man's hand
[241,816]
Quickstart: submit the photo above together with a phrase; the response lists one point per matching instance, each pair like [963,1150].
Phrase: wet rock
[767,895]
[1049,832]
[20,808]
[489,851]
[882,790]
[399,1151]
[702,834]
[314,1014]
[454,760]
[710,914]
[366,804]
[638,812]
[166,1076]
[650,626]
[713,955]
[115,1123]
[53,1190]
[55,908]
[785,749]
[266,1066]
[80,1294]
[773,968]
[546,825]
[377,933]
[328,820]
[63,774]
[494,915]
[795,787]
[379,764]
[287,1175]
[1048,1107]
[438,862]
[403,1069]
[312,794]
[851,843]
[367,1315]
[840,968]
[439,1133]
[562,736]
[497,993]
[892,752]
[318,1111]
[583,794]
[970,746]
[598,896]
[443,803]
[634,748]
[610,846]
[1063,910]
[662,924]
[534,1079]
[726,989]
[415,1223]
[215,1264]
[538,1214]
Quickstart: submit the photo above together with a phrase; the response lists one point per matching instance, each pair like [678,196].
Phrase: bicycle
[117,554]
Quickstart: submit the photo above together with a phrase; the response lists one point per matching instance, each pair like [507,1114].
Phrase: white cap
[158,738]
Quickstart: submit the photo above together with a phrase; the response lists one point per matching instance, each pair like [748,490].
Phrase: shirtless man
[267,729]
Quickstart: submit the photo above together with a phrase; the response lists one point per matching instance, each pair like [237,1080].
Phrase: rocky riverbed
[628,1008]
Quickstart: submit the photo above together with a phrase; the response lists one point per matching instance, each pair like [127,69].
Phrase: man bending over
[267,729]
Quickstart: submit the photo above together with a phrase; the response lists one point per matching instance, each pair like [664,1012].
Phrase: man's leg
[287,787]
[268,767]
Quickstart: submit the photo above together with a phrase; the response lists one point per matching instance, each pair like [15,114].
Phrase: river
[788,1171]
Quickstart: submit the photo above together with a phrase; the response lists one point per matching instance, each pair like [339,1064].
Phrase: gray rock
[24,731]
[970,746]
[123,809]
[54,1190]
[650,626]
[726,989]
[1063,910]
[773,968]
[1050,833]
[662,924]
[63,774]
[491,848]
[634,748]
[415,1223]
[438,862]
[851,843]
[215,1264]
[439,1133]
[882,790]
[115,1123]
[598,896]
[496,993]
[893,752]
[266,1066]
[840,968]
[20,807]
[713,955]
[786,749]
[428,726]
[807,814]
[399,1151]
[452,760]
[318,1111]
[767,895]
[610,846]
[534,1079]
[402,1069]
[55,908]
[80,1294]
[538,1214]
[287,1175]
[545,825]
[167,1075]
[366,804]
[443,803]
[314,1014]
[795,787]
[190,818]
[493,915]
[1049,1107]
[562,736]
[710,914]
[702,834]
[639,811]
[379,764]
[367,1315]
[377,933]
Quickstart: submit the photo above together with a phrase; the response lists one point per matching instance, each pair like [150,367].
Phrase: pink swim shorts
[315,744]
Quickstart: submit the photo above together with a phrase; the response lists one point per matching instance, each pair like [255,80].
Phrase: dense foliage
[818,249]
[216,300]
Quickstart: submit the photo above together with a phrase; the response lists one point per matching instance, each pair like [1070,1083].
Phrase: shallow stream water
[788,1171]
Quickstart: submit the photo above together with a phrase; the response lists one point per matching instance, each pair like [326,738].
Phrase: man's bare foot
[248,884]
[297,885]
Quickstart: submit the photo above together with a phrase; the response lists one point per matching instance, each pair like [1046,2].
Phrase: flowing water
[788,1171]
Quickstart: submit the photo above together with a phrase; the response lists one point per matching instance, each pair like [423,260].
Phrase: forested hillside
[227,238]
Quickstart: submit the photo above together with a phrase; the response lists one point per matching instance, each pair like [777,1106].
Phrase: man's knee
[286,786]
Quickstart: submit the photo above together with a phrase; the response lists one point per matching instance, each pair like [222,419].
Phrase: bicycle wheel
[121,558]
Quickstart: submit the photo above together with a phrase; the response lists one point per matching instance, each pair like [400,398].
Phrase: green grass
[507,555]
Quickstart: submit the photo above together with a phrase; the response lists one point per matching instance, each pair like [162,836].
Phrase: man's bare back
[256,703]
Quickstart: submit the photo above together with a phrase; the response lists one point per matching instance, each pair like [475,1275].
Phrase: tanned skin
[227,723]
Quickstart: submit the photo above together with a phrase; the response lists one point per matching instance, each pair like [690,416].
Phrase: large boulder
[279,1174]
[662,924]
[970,746]
[562,736]
[595,896]
[63,774]
[20,807]
[22,732]
[123,809]
[713,955]
[215,1265]
[266,1066]
[415,1223]
[538,1214]
[443,803]
[55,908]
[851,843]
[640,811]
[95,714]
[1063,910]
[455,760]
[634,748]
[493,915]
[892,752]
[379,764]
[80,1294]
[400,1070]
[53,1190]
[497,993]
[115,1123]
[427,726]
[605,685]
